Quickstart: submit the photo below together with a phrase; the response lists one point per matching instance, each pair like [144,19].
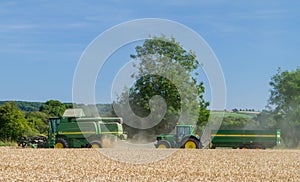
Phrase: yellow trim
[242,135]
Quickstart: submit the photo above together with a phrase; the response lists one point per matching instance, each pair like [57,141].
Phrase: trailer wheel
[61,143]
[95,144]
[191,143]
[163,144]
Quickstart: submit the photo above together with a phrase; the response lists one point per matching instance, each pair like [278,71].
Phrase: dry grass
[181,165]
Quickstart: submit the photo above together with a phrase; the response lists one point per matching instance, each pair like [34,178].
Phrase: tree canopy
[167,70]
[285,104]
[53,108]
[13,123]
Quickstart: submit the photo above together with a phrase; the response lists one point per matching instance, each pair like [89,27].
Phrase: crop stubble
[180,165]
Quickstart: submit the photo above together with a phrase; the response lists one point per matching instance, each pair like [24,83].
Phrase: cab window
[183,130]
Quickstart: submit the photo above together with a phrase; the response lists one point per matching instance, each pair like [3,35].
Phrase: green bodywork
[245,138]
[177,139]
[79,132]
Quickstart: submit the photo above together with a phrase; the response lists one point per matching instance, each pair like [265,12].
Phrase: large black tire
[61,143]
[163,144]
[191,143]
[95,144]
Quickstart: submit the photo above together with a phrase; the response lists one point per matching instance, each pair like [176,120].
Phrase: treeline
[26,106]
[16,121]
[104,109]
[18,118]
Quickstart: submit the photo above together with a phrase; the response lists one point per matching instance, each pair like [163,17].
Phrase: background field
[240,114]
[180,165]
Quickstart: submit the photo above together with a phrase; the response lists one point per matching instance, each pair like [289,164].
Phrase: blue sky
[41,42]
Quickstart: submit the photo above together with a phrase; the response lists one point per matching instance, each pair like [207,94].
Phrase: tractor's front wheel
[163,144]
[61,143]
[191,143]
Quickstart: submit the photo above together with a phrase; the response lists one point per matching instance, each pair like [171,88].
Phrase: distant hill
[26,106]
[106,109]
[103,109]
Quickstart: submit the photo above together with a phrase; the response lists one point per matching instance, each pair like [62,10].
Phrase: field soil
[148,165]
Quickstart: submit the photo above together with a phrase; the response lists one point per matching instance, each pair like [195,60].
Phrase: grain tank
[74,130]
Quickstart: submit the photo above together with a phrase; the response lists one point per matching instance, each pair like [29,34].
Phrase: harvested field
[181,165]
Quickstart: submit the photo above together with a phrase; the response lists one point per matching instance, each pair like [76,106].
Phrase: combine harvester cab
[245,139]
[74,130]
[183,138]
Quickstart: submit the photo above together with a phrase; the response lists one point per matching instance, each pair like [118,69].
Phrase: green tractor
[184,137]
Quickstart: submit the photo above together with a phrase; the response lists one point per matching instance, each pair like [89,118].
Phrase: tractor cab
[184,130]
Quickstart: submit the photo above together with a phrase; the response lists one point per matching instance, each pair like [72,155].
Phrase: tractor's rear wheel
[95,144]
[191,143]
[163,144]
[61,143]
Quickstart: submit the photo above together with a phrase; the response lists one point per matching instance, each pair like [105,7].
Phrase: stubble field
[148,165]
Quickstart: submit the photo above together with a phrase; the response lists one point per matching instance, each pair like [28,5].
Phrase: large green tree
[166,69]
[285,104]
[13,123]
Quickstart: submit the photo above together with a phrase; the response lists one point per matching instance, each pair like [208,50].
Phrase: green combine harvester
[185,137]
[74,130]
